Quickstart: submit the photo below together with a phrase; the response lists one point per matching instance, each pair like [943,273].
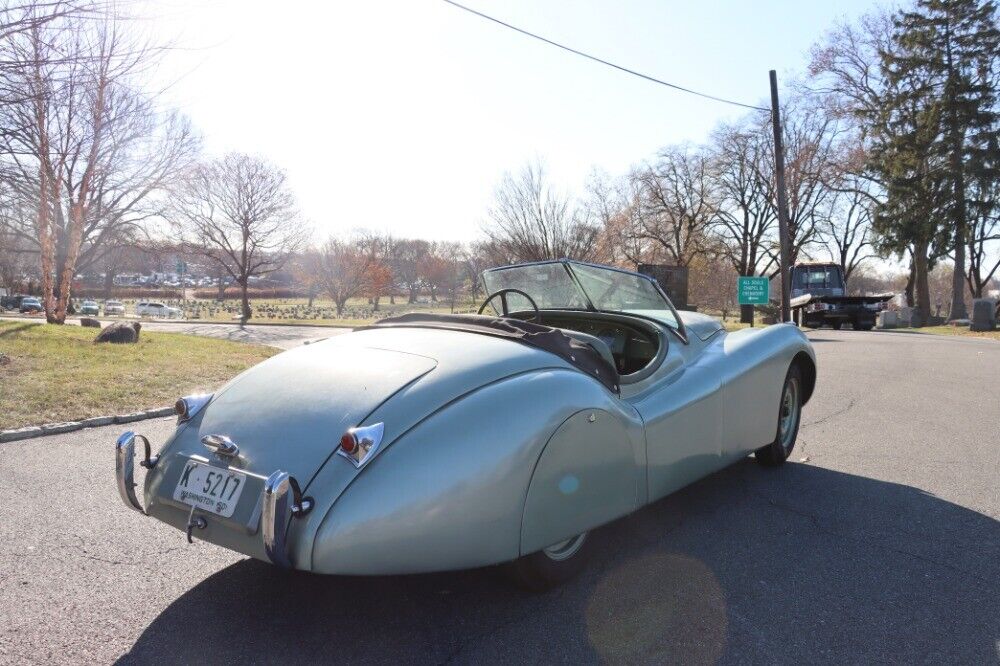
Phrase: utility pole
[779,171]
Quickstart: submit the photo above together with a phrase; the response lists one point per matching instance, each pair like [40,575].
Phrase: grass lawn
[962,331]
[56,373]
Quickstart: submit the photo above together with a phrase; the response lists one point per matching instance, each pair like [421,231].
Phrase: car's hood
[290,411]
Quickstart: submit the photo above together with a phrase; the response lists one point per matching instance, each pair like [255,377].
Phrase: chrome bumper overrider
[125,468]
[282,500]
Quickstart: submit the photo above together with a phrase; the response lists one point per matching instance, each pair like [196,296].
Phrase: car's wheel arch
[807,368]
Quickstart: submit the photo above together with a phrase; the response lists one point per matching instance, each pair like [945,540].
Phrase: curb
[71,426]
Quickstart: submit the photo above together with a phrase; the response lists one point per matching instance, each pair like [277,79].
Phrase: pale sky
[402,115]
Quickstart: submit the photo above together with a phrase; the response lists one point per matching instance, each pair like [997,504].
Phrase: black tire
[836,325]
[777,452]
[550,567]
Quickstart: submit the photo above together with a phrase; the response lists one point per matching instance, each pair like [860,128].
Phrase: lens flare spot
[569,484]
[665,608]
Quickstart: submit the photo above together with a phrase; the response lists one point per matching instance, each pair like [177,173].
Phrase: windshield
[617,290]
[550,285]
[818,277]
[569,285]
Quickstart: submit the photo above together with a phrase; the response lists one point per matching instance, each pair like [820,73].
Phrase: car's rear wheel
[789,417]
[836,325]
[551,566]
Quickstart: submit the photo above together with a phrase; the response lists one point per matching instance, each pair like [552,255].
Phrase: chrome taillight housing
[189,405]
[359,444]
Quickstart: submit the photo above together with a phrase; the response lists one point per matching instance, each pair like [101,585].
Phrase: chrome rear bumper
[282,500]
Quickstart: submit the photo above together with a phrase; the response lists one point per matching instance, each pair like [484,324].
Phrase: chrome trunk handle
[282,500]
[125,468]
[222,445]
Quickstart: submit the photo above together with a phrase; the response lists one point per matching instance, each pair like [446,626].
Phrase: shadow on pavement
[799,564]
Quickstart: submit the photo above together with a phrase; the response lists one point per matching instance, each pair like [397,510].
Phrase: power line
[603,62]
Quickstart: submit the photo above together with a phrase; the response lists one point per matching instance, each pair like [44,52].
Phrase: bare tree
[711,284]
[239,212]
[531,222]
[343,271]
[82,146]
[678,200]
[745,219]
[614,205]
[846,229]
[378,247]
[15,262]
[984,235]
[810,140]
[405,257]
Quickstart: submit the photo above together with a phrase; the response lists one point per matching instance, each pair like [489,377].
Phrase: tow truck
[819,296]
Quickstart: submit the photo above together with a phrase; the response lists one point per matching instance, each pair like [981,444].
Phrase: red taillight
[348,443]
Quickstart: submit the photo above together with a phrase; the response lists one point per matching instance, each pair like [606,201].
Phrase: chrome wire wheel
[565,549]
[790,411]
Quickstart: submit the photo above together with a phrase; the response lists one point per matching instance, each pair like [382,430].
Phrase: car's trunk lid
[290,412]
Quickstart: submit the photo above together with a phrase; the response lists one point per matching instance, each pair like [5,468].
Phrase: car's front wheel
[789,416]
[551,566]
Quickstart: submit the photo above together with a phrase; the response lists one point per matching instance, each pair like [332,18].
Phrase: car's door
[681,409]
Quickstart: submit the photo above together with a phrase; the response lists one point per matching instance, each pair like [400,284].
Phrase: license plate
[210,488]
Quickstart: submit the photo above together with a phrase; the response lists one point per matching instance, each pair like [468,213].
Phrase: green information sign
[752,290]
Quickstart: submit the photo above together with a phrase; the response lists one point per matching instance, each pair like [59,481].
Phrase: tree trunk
[109,283]
[413,295]
[910,283]
[958,310]
[246,302]
[340,306]
[922,285]
[375,303]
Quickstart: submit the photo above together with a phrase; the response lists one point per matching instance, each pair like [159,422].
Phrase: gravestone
[888,319]
[984,314]
[672,279]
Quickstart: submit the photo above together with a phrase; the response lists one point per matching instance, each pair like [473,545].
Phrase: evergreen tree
[942,68]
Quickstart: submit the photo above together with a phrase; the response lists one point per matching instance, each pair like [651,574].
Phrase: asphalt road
[883,547]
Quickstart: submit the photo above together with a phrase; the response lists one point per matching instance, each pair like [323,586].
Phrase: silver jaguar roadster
[428,442]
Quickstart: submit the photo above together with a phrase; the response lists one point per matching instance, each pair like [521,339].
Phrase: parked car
[154,309]
[90,308]
[30,304]
[10,302]
[114,309]
[429,442]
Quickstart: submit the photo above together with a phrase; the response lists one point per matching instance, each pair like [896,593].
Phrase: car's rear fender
[450,492]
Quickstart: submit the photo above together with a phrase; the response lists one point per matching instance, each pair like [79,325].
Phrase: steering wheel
[537,317]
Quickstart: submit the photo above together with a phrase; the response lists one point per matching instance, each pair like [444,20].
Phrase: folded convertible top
[577,353]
